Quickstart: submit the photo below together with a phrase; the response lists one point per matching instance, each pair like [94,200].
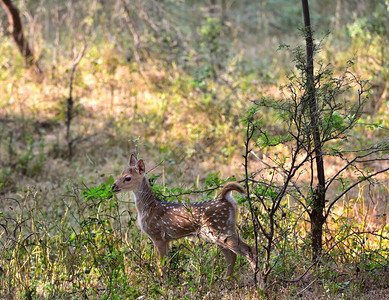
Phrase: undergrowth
[62,232]
[89,246]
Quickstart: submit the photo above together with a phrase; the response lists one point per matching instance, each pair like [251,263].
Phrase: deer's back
[169,221]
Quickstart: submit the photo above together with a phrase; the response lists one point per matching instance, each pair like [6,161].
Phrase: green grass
[64,236]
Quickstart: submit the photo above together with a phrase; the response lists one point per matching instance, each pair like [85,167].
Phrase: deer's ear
[140,165]
[133,160]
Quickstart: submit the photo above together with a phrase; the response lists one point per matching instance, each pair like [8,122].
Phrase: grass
[62,235]
[90,247]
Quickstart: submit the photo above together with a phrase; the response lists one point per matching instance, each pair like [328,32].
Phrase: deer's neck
[145,197]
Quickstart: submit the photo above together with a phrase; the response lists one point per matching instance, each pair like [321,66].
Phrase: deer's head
[131,177]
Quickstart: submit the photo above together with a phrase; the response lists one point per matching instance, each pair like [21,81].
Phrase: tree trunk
[318,198]
[16,29]
[317,220]
[223,17]
[212,8]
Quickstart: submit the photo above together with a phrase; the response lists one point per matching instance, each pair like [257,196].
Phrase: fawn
[164,222]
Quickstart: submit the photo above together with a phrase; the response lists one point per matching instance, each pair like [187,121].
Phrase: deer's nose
[114,188]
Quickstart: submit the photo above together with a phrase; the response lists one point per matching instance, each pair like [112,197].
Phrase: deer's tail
[231,186]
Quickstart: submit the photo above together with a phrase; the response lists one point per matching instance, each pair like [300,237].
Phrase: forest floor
[59,240]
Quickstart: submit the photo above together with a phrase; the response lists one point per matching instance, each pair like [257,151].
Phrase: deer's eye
[128,178]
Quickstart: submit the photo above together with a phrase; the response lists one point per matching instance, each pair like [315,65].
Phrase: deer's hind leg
[235,244]
[230,258]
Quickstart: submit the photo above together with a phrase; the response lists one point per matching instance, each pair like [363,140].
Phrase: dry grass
[56,244]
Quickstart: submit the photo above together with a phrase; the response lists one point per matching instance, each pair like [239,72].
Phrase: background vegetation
[173,80]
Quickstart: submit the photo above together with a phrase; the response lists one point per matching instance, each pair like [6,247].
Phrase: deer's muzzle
[115,188]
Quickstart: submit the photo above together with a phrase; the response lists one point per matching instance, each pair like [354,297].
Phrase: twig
[156,166]
[325,253]
[299,293]
[75,63]
[351,187]
[70,101]
[194,192]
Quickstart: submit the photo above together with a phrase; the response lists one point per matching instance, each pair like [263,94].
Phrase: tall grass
[62,235]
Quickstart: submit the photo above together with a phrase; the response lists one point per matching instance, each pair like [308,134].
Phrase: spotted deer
[163,222]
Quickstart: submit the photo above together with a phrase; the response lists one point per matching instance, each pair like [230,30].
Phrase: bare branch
[351,187]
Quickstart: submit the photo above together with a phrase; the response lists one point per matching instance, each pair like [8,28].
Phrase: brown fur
[231,186]
[164,222]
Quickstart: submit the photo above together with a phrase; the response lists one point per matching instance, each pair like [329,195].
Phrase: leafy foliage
[176,95]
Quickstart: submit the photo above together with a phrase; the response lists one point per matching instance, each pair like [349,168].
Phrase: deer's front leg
[161,249]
